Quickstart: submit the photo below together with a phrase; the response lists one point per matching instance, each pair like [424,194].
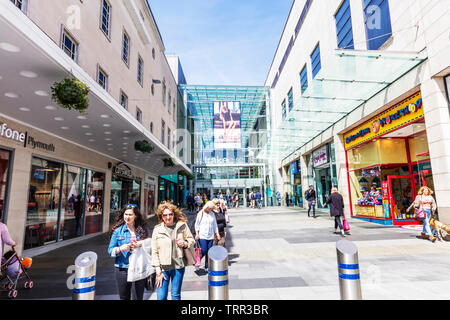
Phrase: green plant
[168,162]
[186,174]
[71,94]
[143,146]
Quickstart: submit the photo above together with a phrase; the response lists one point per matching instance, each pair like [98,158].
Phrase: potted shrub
[168,162]
[71,94]
[143,146]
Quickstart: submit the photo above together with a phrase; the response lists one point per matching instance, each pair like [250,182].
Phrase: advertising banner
[227,125]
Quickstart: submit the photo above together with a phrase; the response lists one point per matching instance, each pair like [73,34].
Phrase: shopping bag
[189,255]
[227,217]
[139,265]
[346,225]
[198,255]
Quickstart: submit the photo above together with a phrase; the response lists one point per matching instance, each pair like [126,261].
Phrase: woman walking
[205,229]
[424,200]
[170,237]
[5,238]
[236,200]
[219,212]
[336,203]
[127,234]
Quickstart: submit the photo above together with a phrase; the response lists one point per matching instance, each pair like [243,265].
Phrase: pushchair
[14,269]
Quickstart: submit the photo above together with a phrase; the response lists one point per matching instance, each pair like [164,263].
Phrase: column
[341,174]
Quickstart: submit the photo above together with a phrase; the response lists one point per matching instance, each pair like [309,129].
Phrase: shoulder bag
[419,214]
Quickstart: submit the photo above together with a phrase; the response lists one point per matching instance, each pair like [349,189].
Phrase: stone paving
[279,253]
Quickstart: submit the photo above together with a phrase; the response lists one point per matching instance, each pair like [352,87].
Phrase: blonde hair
[334,190]
[216,201]
[423,188]
[178,215]
[210,205]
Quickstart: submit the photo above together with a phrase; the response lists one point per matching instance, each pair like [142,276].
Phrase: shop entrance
[401,196]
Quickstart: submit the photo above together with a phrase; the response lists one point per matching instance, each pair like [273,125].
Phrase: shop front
[387,163]
[149,195]
[324,172]
[296,184]
[5,161]
[168,189]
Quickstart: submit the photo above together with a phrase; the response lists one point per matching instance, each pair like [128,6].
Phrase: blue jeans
[426,223]
[176,276]
[205,245]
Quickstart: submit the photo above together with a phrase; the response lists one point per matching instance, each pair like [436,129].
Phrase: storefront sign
[320,156]
[24,138]
[405,112]
[11,134]
[149,180]
[40,145]
[385,190]
[123,170]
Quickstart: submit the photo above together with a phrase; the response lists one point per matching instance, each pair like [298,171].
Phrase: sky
[222,42]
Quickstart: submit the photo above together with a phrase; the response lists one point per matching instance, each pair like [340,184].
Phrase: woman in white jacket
[205,229]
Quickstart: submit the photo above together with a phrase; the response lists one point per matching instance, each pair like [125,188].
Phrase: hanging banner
[227,125]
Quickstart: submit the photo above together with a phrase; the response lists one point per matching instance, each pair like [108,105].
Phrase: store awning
[30,64]
[347,80]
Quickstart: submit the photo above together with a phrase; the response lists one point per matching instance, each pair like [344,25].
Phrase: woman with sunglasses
[170,237]
[127,234]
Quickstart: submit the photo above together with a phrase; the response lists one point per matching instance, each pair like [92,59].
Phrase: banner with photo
[227,125]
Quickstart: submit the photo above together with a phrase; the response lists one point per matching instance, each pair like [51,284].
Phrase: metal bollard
[218,273]
[348,268]
[85,273]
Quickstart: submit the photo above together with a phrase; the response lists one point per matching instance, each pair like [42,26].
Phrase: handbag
[139,265]
[420,214]
[189,256]
[345,225]
[198,255]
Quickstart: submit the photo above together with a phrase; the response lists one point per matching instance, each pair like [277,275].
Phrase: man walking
[310,196]
[258,199]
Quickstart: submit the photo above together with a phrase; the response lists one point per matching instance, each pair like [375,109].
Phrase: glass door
[401,196]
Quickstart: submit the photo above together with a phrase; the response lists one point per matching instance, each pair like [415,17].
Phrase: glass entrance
[401,196]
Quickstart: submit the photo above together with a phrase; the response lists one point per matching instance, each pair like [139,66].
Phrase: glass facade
[64,202]
[324,172]
[122,191]
[4,171]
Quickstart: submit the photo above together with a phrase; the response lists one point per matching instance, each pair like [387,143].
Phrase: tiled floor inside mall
[279,253]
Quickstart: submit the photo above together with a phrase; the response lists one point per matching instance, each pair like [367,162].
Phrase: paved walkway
[280,253]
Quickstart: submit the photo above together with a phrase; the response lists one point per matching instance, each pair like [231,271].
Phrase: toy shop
[388,162]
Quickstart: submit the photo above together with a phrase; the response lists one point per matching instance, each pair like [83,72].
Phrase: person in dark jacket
[336,203]
[310,196]
[221,222]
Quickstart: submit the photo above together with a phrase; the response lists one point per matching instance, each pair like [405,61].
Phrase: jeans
[176,276]
[312,204]
[205,245]
[258,203]
[337,222]
[426,223]
[124,287]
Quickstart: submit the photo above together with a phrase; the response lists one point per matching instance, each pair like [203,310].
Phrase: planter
[168,162]
[71,94]
[143,146]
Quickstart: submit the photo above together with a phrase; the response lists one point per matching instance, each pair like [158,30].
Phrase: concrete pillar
[341,174]
[305,181]
[107,201]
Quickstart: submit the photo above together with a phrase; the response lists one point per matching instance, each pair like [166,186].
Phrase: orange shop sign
[403,113]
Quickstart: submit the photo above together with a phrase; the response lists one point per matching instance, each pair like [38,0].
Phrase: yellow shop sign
[403,113]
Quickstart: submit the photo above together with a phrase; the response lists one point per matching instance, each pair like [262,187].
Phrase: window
[283,109]
[315,60]
[163,131]
[102,78]
[138,115]
[168,137]
[344,26]
[378,22]
[105,19]
[123,100]
[164,92]
[304,79]
[174,110]
[169,102]
[69,46]
[153,89]
[126,49]
[140,70]
[21,4]
[153,53]
[151,127]
[290,100]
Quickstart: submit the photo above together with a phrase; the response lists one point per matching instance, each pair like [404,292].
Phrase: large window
[95,182]
[4,165]
[283,109]
[315,60]
[126,49]
[163,131]
[344,26]
[123,100]
[304,79]
[290,100]
[378,23]
[102,78]
[69,46]
[21,4]
[122,191]
[105,19]
[140,71]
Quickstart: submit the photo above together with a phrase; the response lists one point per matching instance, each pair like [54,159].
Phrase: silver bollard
[85,274]
[348,268]
[218,273]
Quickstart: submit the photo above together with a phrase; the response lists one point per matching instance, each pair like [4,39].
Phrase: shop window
[4,165]
[94,212]
[122,190]
[43,203]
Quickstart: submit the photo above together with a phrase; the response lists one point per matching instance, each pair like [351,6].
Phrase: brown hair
[422,189]
[140,224]
[178,215]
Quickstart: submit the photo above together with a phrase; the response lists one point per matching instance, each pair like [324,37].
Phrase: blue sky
[222,42]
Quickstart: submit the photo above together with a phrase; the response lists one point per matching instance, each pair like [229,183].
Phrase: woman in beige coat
[169,238]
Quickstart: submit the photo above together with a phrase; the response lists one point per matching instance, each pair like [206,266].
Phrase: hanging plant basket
[143,146]
[168,162]
[186,174]
[71,94]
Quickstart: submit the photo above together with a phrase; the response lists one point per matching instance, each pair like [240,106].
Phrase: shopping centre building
[66,174]
[359,95]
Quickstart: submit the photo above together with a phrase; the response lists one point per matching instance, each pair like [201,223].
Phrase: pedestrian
[336,203]
[219,212]
[5,237]
[127,234]
[205,229]
[424,200]
[134,200]
[190,202]
[287,199]
[279,198]
[258,199]
[205,199]
[236,200]
[169,238]
[310,196]
[228,199]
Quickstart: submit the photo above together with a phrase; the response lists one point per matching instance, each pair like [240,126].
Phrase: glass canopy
[348,79]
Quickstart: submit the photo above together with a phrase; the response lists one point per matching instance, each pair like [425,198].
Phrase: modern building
[230,130]
[66,174]
[359,95]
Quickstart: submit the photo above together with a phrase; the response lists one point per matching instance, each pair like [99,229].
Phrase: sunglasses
[167,214]
[130,206]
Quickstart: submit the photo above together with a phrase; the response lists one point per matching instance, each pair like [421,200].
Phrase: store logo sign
[40,145]
[12,134]
[121,171]
[320,156]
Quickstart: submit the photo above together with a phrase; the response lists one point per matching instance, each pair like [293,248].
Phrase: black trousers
[313,207]
[337,222]
[124,287]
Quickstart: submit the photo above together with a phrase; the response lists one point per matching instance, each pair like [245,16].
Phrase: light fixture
[24,109]
[28,74]
[107,132]
[41,93]
[59,119]
[11,95]
[85,126]
[88,133]
[107,125]
[9,47]
[65,128]
[104,116]
[82,117]
[50,107]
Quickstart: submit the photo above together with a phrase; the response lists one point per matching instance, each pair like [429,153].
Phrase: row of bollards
[218,288]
